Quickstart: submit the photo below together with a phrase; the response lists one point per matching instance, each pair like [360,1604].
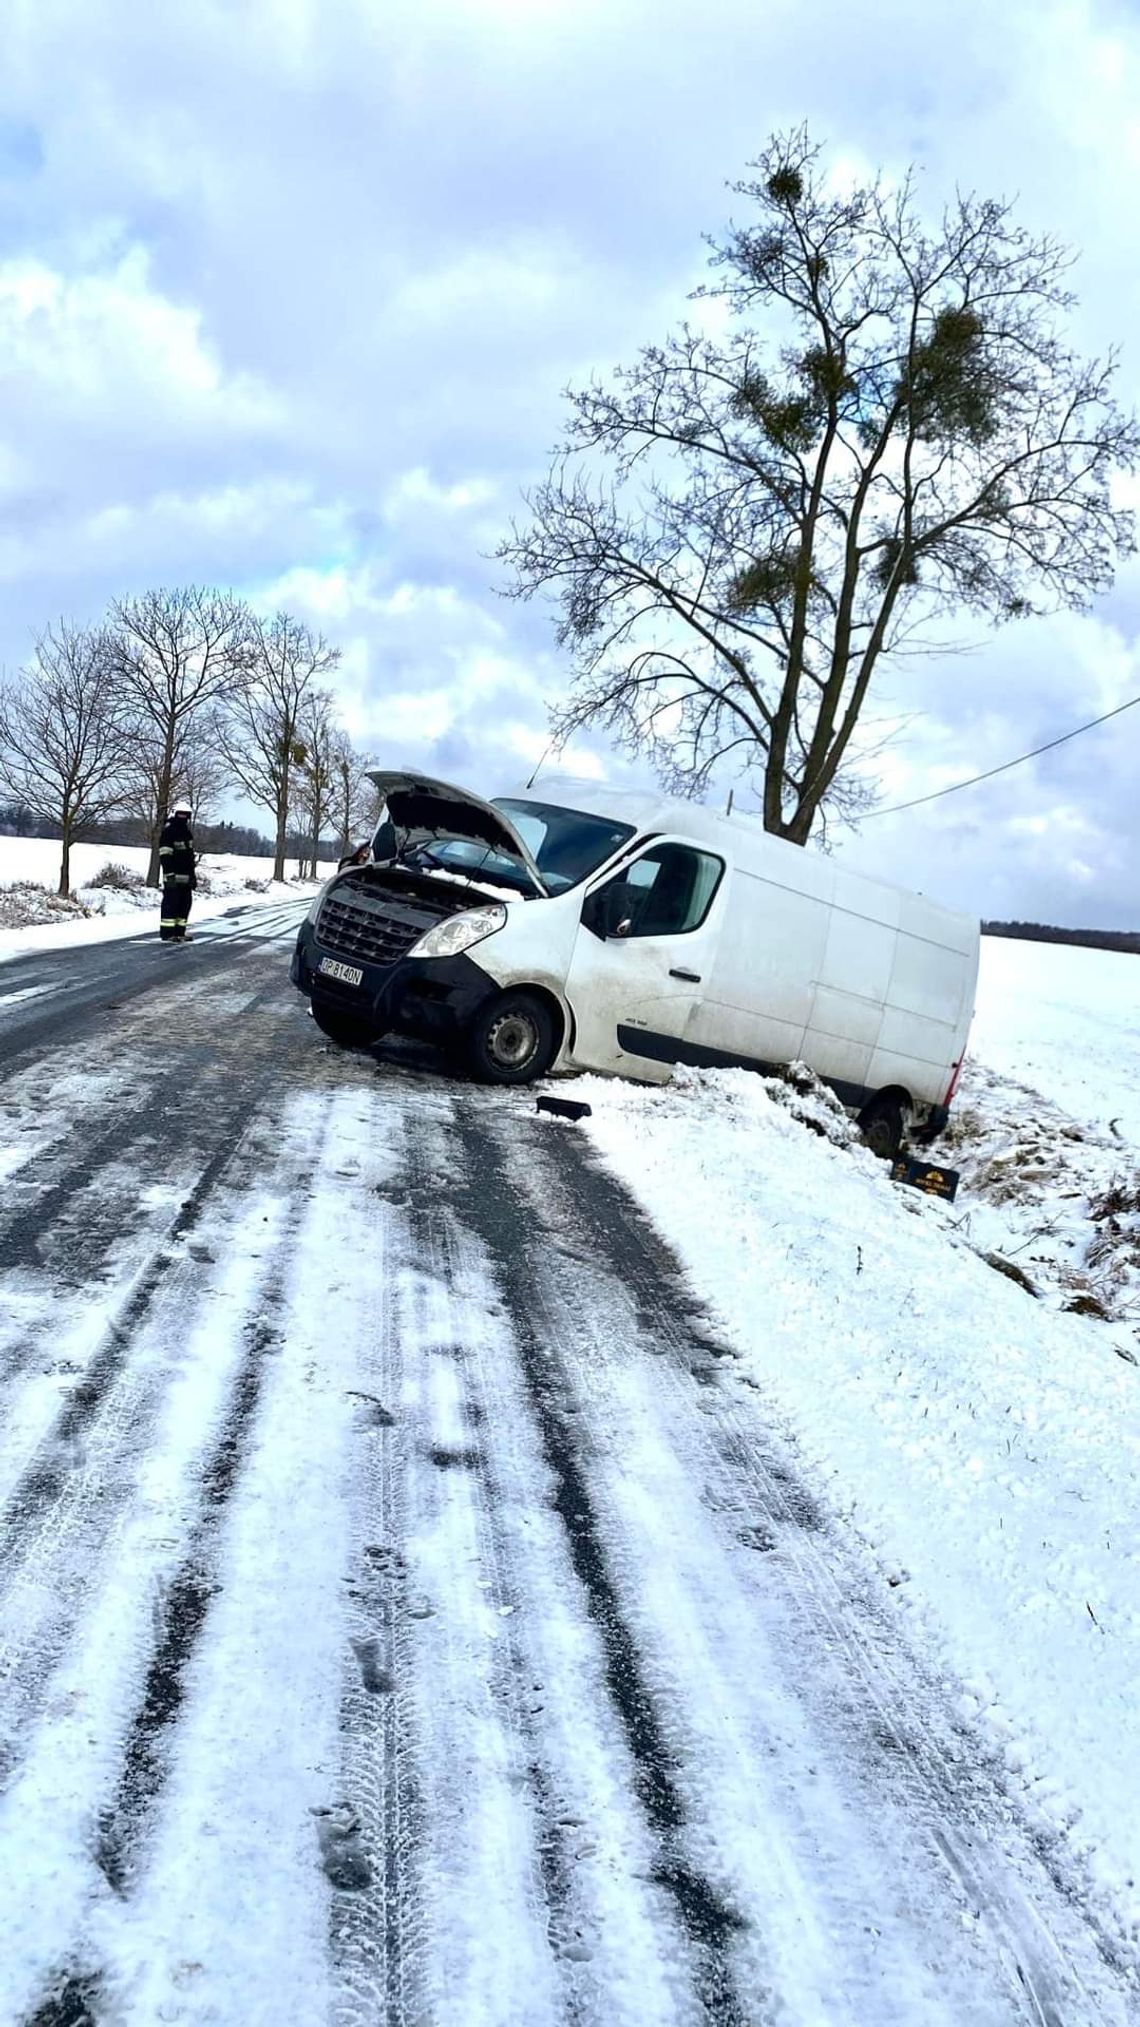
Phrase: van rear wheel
[882,1125]
[512,1040]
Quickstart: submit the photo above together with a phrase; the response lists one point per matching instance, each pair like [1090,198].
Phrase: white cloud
[106,343]
[416,490]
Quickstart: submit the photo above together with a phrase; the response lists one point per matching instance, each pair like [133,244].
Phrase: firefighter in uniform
[176,864]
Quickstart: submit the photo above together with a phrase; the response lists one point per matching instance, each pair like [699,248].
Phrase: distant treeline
[1045,932]
[246,843]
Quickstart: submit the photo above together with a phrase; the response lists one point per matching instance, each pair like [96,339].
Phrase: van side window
[670,890]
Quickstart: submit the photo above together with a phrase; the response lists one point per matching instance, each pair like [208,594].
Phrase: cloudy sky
[289,292]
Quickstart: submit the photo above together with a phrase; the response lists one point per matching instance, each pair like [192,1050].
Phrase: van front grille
[377,928]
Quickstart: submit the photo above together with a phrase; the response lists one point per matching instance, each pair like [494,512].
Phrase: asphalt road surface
[406,1614]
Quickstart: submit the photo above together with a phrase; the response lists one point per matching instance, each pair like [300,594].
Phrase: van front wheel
[882,1125]
[512,1039]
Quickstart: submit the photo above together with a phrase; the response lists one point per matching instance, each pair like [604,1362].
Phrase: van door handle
[690,977]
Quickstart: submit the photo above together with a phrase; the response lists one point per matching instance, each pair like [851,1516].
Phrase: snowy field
[984,1441]
[1066,1023]
[225,879]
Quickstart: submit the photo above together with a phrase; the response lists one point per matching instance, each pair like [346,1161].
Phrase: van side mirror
[608,911]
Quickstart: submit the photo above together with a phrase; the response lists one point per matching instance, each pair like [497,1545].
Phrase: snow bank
[1046,1128]
[986,1445]
[33,918]
[24,905]
[1056,1198]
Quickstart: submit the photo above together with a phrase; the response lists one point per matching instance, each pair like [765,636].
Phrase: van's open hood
[430,809]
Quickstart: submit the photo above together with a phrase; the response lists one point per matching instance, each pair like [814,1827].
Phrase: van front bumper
[434,999]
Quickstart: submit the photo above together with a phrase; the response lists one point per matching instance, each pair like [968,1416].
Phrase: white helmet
[181,807]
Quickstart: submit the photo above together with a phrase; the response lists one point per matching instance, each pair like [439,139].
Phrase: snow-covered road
[403,1617]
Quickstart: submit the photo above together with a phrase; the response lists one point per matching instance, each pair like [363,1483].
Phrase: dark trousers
[176,900]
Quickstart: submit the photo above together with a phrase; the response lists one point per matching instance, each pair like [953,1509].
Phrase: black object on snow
[563,1108]
[927,1176]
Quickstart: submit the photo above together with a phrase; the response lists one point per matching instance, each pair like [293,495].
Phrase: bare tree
[742,529]
[262,736]
[64,740]
[179,653]
[314,795]
[356,800]
[198,772]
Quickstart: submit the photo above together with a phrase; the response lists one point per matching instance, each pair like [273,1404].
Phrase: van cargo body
[624,934]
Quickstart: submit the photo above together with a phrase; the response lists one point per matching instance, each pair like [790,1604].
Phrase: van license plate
[348,974]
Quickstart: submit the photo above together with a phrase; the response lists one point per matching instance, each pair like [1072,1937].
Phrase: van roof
[646,809]
[649,810]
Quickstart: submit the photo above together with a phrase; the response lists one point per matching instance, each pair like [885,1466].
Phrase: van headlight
[459,932]
[315,904]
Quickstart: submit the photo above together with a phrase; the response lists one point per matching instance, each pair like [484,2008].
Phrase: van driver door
[642,956]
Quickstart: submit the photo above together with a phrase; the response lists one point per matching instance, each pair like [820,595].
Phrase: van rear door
[643,951]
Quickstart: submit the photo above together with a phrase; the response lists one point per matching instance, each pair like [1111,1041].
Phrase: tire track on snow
[708,1922]
[180,1620]
[60,1518]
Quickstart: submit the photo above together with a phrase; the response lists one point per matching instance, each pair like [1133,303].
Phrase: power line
[896,807]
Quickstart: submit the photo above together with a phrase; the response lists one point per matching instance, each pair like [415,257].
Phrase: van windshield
[567,845]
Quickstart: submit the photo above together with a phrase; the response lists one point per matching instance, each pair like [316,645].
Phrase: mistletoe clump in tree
[742,529]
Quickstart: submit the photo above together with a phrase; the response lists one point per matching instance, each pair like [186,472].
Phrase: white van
[588,929]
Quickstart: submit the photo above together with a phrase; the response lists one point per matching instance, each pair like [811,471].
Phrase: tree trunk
[345,810]
[162,810]
[65,862]
[279,844]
